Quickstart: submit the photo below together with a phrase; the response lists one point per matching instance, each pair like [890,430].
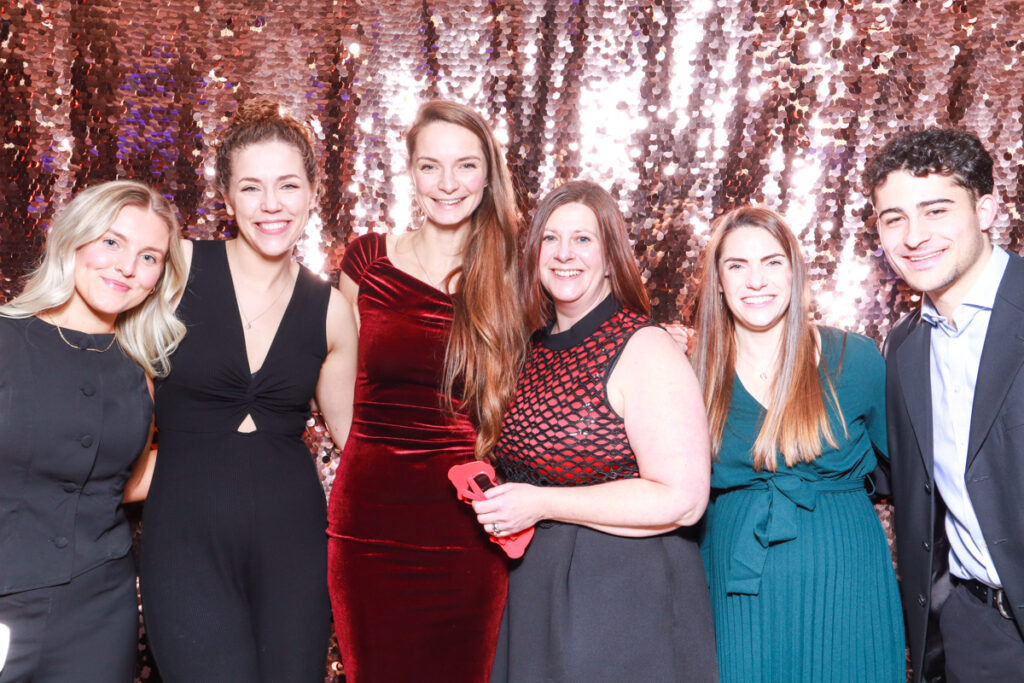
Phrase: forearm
[626,507]
[137,486]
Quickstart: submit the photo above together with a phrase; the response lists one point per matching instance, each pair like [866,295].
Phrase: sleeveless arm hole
[361,254]
[615,361]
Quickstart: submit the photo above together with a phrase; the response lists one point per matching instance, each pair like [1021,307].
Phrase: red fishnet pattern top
[560,429]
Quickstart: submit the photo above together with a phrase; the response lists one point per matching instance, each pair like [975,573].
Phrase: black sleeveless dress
[234,550]
[584,605]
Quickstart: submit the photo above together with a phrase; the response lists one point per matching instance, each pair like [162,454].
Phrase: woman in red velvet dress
[417,589]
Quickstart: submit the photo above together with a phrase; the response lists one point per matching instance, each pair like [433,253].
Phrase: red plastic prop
[470,480]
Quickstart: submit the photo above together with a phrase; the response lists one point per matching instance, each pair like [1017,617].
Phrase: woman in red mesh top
[605,450]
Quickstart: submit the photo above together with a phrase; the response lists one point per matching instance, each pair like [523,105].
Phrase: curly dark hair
[954,153]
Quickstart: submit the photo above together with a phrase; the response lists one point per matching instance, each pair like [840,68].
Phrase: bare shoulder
[653,345]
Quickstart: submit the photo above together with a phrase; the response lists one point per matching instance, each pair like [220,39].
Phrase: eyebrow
[777,254]
[124,238]
[474,157]
[248,179]
[920,205]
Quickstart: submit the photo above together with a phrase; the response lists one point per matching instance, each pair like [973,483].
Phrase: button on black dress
[72,421]
[234,549]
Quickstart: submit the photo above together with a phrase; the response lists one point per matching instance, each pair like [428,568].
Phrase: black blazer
[995,466]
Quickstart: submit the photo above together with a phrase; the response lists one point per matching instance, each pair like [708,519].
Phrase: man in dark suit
[955,402]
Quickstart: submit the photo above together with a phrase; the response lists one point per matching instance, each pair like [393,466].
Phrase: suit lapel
[1001,356]
[914,356]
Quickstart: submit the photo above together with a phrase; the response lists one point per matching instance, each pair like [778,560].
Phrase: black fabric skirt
[588,606]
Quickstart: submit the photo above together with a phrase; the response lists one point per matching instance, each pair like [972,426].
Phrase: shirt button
[927,546]
[86,441]
[60,542]
[927,487]
[88,389]
[921,600]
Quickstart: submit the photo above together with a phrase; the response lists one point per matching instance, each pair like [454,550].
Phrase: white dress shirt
[955,356]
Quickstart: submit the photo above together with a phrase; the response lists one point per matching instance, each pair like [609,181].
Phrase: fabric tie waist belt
[773,520]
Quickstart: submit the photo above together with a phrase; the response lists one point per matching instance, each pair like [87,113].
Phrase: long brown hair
[796,418]
[488,339]
[623,273]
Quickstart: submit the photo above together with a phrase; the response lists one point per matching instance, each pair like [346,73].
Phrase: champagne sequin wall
[682,109]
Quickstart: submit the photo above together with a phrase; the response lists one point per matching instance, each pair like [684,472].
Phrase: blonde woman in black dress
[75,411]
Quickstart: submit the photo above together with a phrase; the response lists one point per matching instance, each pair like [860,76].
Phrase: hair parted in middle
[623,273]
[796,419]
[488,339]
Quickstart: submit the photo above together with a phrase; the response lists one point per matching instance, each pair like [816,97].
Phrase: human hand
[509,508]
[684,337]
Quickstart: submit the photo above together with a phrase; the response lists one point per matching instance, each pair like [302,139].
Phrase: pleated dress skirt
[589,606]
[828,607]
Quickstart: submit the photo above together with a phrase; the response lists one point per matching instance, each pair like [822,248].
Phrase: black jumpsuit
[234,553]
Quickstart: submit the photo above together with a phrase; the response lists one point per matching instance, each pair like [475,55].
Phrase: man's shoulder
[900,331]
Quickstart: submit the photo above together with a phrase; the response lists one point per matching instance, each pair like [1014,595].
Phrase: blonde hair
[488,338]
[149,332]
[796,418]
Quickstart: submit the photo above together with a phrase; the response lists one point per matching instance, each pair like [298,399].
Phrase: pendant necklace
[249,321]
[416,254]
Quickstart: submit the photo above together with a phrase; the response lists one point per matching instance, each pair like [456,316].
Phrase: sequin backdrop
[682,109]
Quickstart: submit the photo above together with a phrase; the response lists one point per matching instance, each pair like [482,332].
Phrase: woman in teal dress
[802,583]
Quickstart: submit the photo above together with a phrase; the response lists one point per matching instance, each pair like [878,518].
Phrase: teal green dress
[802,582]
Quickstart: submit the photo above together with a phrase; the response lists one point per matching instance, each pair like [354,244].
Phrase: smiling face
[116,272]
[934,234]
[756,278]
[572,264]
[270,196]
[449,173]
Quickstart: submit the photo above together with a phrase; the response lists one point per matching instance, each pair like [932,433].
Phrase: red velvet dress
[416,587]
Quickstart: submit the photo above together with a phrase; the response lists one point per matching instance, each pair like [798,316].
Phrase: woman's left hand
[510,508]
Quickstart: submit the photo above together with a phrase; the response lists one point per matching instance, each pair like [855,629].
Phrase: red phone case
[462,478]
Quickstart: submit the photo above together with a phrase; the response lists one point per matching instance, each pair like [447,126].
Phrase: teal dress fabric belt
[774,522]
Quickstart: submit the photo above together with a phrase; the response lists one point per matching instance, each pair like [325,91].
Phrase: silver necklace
[249,321]
[81,348]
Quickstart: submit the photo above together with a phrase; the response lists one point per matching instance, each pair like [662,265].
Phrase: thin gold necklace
[416,253]
[81,348]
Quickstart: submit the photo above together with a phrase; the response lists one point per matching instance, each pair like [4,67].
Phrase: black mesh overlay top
[560,429]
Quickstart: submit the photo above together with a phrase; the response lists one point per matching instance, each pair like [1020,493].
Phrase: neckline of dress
[583,328]
[387,257]
[238,314]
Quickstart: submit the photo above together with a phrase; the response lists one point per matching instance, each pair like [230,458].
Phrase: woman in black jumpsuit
[234,549]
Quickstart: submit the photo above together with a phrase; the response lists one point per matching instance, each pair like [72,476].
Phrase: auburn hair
[257,120]
[796,417]
[623,273]
[488,340]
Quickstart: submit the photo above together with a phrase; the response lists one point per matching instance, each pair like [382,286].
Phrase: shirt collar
[982,294]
